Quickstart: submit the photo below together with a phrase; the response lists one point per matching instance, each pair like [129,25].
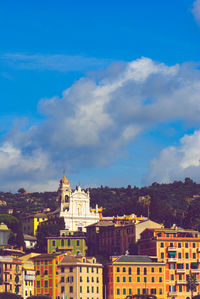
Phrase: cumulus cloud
[99,115]
[56,62]
[196,10]
[177,162]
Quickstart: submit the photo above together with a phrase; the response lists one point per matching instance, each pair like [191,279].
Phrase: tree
[192,283]
[5,295]
[21,190]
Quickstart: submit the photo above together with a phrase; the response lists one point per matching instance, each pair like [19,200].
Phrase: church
[75,207]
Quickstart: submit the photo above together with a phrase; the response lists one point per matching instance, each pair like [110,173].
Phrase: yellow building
[30,223]
[80,278]
[28,274]
[10,275]
[133,274]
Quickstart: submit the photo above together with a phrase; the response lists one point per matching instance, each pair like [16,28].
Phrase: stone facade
[75,207]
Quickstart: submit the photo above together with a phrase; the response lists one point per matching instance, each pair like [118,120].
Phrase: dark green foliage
[39,297]
[6,295]
[47,231]
[196,297]
[15,225]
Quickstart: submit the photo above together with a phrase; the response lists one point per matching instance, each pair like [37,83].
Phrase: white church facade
[75,207]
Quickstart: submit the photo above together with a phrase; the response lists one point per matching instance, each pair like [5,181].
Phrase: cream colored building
[75,207]
[80,278]
[28,274]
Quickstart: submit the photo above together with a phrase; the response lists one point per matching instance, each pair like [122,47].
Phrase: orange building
[10,275]
[180,250]
[134,274]
[46,271]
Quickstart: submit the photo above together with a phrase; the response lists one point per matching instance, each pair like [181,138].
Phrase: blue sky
[108,91]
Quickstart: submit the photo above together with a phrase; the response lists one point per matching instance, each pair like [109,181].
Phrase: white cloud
[100,114]
[196,10]
[58,62]
[176,163]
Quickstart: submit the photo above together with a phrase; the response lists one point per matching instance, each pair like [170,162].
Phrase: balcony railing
[172,249]
[195,270]
[172,293]
[181,281]
[180,270]
[172,260]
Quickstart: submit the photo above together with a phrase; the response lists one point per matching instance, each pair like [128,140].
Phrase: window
[77,243]
[161,244]
[81,289]
[62,243]
[97,270]
[138,271]
[97,279]
[130,291]
[129,270]
[118,279]
[46,283]
[179,245]
[124,291]
[160,279]
[71,289]
[145,279]
[88,279]
[62,279]
[180,288]
[130,279]
[124,269]
[160,270]
[138,291]
[171,266]
[171,245]
[187,255]
[187,266]
[162,255]
[172,277]
[87,269]
[37,272]
[153,291]
[186,245]
[62,290]
[92,290]
[194,245]
[124,279]
[45,272]
[68,242]
[179,255]
[54,243]
[92,279]
[145,271]
[38,284]
[62,269]
[71,269]
[152,270]
[118,291]
[97,290]
[160,291]
[194,255]
[138,279]
[118,269]
[80,269]
[152,279]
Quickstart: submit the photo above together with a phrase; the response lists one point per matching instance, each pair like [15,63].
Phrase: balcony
[181,281]
[172,293]
[172,260]
[180,270]
[30,277]
[195,270]
[171,249]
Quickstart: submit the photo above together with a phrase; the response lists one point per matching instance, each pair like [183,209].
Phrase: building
[30,241]
[30,223]
[80,278]
[28,275]
[75,207]
[10,275]
[71,242]
[116,235]
[4,234]
[134,274]
[46,271]
[180,250]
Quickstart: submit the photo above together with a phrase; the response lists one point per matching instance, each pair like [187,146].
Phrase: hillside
[170,203]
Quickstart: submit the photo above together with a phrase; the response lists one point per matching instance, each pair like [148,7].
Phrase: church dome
[64,180]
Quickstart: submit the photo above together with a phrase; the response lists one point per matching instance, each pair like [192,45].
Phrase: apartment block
[31,222]
[71,242]
[133,274]
[80,278]
[180,250]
